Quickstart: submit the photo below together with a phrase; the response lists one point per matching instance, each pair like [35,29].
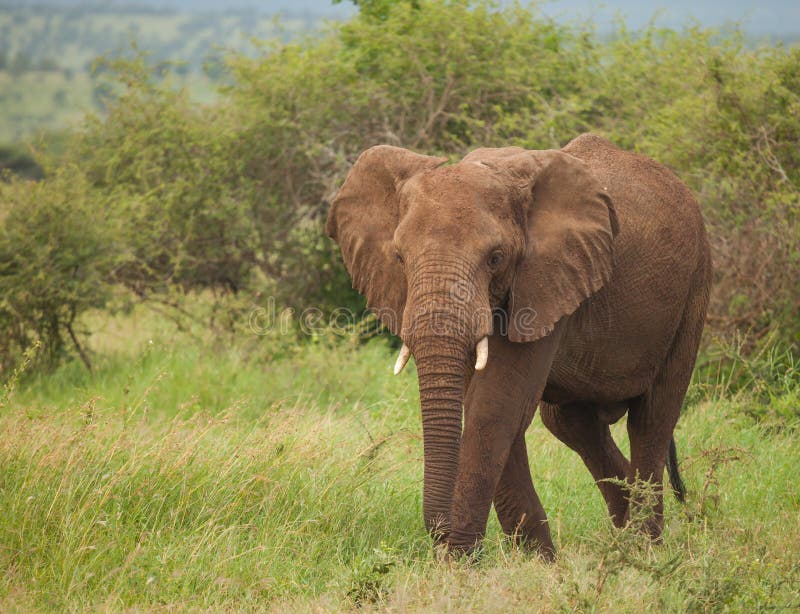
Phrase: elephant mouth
[481,356]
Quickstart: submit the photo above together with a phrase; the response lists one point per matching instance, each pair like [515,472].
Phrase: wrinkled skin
[596,261]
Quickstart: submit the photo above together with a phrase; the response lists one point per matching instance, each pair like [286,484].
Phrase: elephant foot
[454,549]
[464,552]
[470,551]
[438,527]
[544,549]
[529,533]
[646,521]
[448,553]
[652,528]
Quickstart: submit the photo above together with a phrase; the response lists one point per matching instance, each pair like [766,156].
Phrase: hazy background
[781,17]
[47,48]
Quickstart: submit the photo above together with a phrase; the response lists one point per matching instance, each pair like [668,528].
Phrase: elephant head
[437,249]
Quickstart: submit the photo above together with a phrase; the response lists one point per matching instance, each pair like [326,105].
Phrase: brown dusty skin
[597,260]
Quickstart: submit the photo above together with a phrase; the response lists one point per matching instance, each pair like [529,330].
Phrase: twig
[73,336]
[78,347]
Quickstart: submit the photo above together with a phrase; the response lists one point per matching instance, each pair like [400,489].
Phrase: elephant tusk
[482,350]
[402,359]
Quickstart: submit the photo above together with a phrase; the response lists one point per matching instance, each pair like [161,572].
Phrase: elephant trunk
[441,370]
[445,320]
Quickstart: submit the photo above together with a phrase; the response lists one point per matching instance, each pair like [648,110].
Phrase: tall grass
[185,477]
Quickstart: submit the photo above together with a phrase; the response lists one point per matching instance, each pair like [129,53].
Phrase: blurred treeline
[48,77]
[47,37]
[162,200]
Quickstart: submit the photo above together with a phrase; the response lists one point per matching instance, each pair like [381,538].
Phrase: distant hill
[70,36]
[46,53]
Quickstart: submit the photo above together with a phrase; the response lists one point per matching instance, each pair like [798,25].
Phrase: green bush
[182,200]
[232,196]
[726,119]
[444,77]
[766,379]
[57,249]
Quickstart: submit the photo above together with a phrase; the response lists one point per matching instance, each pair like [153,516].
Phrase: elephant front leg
[517,505]
[498,406]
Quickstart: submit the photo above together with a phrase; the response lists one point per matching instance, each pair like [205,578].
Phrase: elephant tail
[678,486]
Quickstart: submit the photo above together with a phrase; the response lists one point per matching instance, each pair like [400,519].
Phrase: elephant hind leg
[517,505]
[653,416]
[651,421]
[584,428]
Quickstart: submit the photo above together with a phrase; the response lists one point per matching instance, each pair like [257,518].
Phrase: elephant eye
[399,258]
[495,258]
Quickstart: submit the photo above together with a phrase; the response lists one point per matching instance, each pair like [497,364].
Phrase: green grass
[184,474]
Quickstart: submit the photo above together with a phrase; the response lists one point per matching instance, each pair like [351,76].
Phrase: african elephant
[576,280]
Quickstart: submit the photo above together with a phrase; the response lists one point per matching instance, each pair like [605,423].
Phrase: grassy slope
[189,477]
[39,101]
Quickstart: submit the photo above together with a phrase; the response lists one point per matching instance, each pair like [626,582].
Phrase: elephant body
[597,264]
[658,286]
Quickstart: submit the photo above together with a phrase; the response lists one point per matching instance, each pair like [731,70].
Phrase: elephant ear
[570,224]
[362,220]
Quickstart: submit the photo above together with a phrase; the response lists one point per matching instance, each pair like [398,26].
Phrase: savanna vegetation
[185,425]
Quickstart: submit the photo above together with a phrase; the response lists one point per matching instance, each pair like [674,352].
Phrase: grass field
[185,474]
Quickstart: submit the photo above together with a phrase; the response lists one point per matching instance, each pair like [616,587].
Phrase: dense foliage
[56,257]
[232,195]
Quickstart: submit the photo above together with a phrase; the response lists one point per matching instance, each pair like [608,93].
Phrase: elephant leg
[499,404]
[580,427]
[517,505]
[653,416]
[651,421]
